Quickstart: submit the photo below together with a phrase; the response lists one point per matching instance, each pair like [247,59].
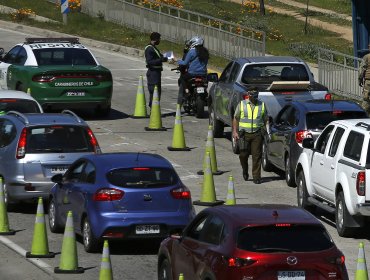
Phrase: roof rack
[25,119]
[364,125]
[72,114]
[72,40]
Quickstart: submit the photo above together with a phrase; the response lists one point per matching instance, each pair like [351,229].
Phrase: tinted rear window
[53,139]
[63,56]
[142,177]
[19,105]
[294,238]
[318,120]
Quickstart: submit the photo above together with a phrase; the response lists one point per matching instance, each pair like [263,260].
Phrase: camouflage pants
[366,96]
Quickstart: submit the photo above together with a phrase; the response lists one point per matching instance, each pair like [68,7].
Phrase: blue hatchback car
[120,196]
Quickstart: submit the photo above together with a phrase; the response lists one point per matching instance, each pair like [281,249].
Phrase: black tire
[341,214]
[266,164]
[54,223]
[302,194]
[199,106]
[289,173]
[91,244]
[217,126]
[103,112]
[165,270]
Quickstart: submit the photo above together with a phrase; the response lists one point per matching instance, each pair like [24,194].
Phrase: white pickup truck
[333,173]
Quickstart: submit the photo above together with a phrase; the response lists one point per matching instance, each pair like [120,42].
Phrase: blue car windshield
[142,177]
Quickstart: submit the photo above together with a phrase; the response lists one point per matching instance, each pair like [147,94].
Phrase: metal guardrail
[339,72]
[222,38]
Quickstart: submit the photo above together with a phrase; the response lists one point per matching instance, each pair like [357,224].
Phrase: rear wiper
[52,150]
[273,250]
[157,183]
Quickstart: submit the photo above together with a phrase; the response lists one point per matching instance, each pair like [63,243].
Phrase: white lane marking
[18,249]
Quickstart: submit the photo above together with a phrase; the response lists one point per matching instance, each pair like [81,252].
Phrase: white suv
[331,173]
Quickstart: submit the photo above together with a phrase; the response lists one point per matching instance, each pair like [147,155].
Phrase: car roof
[46,118]
[354,122]
[7,93]
[259,214]
[269,59]
[327,105]
[129,160]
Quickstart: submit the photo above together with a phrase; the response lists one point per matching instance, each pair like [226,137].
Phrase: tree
[262,7]
[305,24]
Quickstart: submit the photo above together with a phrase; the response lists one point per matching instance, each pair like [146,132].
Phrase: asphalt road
[119,132]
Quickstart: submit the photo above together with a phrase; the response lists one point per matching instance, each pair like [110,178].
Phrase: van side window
[336,140]
[323,139]
[353,146]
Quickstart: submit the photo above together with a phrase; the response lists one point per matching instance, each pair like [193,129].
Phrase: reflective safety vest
[251,121]
[159,56]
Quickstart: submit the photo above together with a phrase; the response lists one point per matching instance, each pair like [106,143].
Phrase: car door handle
[321,162]
[331,166]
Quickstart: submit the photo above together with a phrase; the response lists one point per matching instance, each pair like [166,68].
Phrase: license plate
[58,169]
[291,275]
[200,90]
[75,93]
[147,229]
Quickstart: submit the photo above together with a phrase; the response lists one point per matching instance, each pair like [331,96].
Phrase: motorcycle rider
[195,61]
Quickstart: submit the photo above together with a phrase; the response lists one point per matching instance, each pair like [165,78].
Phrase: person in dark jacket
[154,63]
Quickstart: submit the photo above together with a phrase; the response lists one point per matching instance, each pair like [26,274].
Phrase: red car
[247,242]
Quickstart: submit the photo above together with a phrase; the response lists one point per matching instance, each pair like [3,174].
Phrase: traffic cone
[181,276]
[178,141]
[105,268]
[361,271]
[210,147]
[208,197]
[68,259]
[4,222]
[230,199]
[40,247]
[155,121]
[140,105]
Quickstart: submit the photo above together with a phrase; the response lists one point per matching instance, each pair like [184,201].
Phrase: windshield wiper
[273,250]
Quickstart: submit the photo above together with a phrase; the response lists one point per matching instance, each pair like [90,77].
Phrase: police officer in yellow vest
[364,81]
[249,124]
[154,63]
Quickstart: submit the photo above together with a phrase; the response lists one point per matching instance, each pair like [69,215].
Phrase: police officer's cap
[155,36]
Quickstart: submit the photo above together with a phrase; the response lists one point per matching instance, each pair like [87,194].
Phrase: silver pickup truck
[279,79]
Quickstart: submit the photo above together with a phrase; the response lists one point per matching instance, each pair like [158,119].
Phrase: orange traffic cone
[208,197]
[155,121]
[140,105]
[210,147]
[178,141]
[4,222]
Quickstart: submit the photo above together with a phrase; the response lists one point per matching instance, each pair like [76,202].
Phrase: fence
[339,72]
[222,38]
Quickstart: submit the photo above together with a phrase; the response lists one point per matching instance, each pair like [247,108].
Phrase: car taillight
[238,262]
[93,141]
[328,96]
[361,183]
[103,77]
[43,78]
[337,260]
[181,193]
[108,194]
[21,148]
[302,134]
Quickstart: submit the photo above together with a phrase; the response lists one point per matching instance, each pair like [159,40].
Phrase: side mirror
[308,143]
[57,178]
[212,77]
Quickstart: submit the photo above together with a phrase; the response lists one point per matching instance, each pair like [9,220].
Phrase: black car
[296,121]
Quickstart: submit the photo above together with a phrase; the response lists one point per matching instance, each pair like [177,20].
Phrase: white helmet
[196,41]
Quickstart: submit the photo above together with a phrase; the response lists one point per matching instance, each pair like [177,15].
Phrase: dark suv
[297,121]
[34,147]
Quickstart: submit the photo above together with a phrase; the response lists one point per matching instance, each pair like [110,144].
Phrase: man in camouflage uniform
[364,81]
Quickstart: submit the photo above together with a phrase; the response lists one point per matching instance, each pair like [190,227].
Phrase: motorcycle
[195,99]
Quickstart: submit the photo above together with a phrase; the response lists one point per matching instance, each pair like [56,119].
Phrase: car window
[142,177]
[226,73]
[63,56]
[21,57]
[89,173]
[234,72]
[8,133]
[19,105]
[318,120]
[11,56]
[212,232]
[288,238]
[197,226]
[336,140]
[353,146]
[58,138]
[323,139]
[282,118]
[75,172]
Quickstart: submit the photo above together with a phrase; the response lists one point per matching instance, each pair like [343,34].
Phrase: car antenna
[137,156]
